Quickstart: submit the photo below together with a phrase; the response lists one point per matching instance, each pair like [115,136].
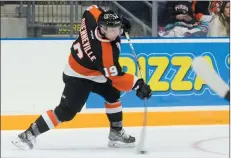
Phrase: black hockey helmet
[109,19]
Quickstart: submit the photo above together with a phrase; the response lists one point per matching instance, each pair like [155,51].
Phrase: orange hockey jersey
[95,58]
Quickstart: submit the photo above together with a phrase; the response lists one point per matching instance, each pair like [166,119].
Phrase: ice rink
[162,142]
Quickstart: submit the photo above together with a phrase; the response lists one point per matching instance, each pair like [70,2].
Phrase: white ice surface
[162,142]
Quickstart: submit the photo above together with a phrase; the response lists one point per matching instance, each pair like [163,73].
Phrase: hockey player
[93,66]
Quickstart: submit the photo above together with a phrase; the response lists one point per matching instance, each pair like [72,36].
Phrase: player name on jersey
[85,41]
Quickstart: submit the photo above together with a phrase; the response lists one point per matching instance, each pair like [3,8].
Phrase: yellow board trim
[91,120]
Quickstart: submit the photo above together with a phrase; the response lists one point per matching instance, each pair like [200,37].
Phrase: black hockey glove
[126,26]
[143,90]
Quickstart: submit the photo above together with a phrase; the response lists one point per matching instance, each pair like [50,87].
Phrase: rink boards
[32,82]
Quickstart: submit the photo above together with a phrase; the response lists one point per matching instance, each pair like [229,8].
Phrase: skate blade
[20,145]
[119,144]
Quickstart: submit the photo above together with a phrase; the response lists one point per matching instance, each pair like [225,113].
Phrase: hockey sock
[114,114]
[44,123]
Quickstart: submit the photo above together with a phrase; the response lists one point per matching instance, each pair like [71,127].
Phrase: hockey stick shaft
[143,132]
[134,53]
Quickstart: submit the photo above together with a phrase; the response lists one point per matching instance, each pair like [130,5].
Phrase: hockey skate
[119,139]
[25,140]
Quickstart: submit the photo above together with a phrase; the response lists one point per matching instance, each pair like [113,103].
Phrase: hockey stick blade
[211,78]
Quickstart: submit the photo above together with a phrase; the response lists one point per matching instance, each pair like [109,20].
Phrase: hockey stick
[212,79]
[141,146]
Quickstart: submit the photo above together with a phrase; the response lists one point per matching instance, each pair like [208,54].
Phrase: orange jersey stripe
[95,12]
[123,83]
[107,54]
[113,105]
[82,70]
[52,117]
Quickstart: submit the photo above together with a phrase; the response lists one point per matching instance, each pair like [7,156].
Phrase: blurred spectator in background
[220,24]
[205,9]
[178,12]
[203,12]
[179,21]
